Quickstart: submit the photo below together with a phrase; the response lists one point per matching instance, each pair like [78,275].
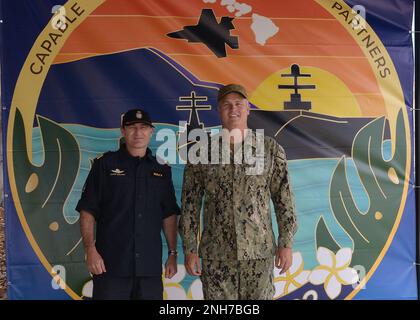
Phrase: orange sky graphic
[308,36]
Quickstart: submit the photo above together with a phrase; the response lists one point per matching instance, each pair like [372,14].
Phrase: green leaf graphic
[43,191]
[384,184]
[324,237]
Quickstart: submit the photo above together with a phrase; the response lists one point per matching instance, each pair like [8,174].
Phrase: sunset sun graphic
[302,33]
[329,95]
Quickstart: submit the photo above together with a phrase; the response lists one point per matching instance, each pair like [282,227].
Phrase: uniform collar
[124,151]
[249,141]
[225,151]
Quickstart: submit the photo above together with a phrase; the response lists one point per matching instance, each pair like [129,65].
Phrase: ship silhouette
[302,133]
[307,135]
[194,122]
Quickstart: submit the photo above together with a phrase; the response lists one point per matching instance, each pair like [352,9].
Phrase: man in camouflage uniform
[237,246]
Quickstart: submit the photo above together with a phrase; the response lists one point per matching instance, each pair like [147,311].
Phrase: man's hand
[284,259]
[192,264]
[94,261]
[171,267]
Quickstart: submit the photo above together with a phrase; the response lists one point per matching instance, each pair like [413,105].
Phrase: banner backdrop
[331,81]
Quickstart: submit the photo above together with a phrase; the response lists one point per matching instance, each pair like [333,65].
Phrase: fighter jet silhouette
[208,31]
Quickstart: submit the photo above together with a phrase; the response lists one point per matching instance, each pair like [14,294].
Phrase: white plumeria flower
[292,279]
[195,292]
[333,271]
[87,290]
[173,289]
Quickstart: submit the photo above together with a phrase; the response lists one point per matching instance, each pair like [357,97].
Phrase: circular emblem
[341,86]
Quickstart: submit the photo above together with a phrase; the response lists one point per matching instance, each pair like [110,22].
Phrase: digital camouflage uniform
[237,242]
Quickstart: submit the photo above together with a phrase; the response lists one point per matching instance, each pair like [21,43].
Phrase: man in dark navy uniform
[130,197]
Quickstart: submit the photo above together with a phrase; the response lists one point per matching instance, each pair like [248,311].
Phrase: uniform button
[137,255]
[139,215]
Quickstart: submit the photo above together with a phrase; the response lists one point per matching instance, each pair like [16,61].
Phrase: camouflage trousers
[237,279]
